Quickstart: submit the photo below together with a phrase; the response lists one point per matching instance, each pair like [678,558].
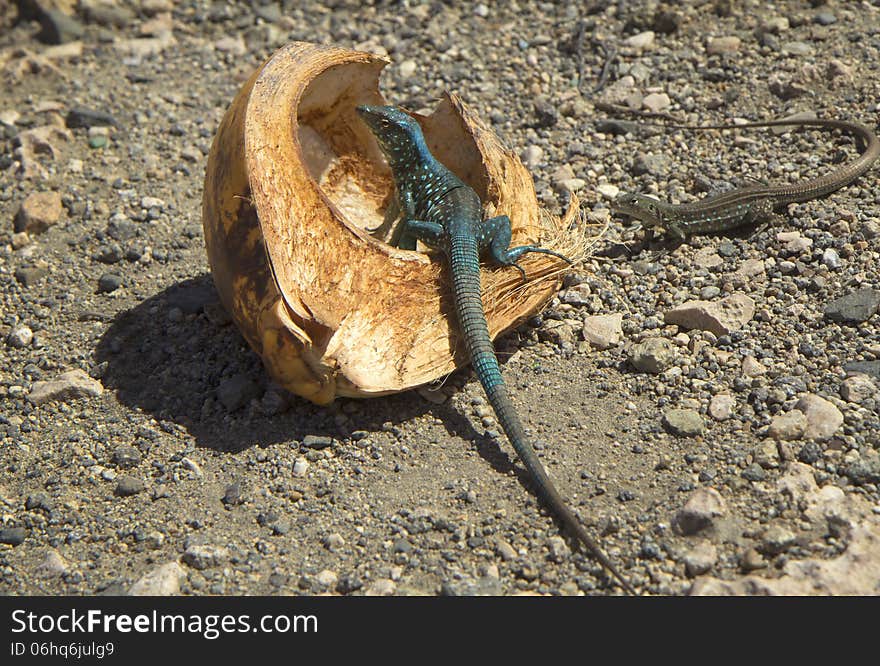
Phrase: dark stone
[871,368]
[402,546]
[126,456]
[40,501]
[810,453]
[274,402]
[278,579]
[121,230]
[129,485]
[666,22]
[650,550]
[266,519]
[754,472]
[769,40]
[863,471]
[135,252]
[109,282]
[109,254]
[236,391]
[82,117]
[546,114]
[349,584]
[109,15]
[232,495]
[28,276]
[791,385]
[317,441]
[114,588]
[270,13]
[855,307]
[281,527]
[14,536]
[56,27]
[727,249]
[615,126]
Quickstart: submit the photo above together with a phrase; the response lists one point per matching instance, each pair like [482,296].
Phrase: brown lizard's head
[646,210]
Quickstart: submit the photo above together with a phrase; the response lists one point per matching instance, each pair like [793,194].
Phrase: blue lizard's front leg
[430,233]
[402,236]
[496,234]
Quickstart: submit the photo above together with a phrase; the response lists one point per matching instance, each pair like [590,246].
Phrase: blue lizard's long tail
[465,269]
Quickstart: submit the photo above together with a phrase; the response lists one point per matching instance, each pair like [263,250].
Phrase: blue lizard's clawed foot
[522,271]
[509,257]
[496,233]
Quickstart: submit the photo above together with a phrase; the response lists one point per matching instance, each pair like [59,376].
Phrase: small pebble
[702,509]
[608,191]
[684,422]
[719,45]
[656,102]
[653,355]
[13,536]
[129,485]
[721,406]
[20,337]
[642,40]
[109,282]
[163,581]
[700,559]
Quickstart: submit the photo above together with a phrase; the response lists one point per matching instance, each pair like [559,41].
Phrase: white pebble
[830,258]
[641,41]
[656,102]
[19,337]
[152,202]
[608,190]
[573,184]
[407,68]
[532,156]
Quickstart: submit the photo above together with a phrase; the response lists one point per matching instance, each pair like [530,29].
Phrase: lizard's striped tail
[465,269]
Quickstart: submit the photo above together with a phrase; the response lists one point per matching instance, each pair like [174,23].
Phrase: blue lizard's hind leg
[495,232]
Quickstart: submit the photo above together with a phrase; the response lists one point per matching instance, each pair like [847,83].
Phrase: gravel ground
[720,447]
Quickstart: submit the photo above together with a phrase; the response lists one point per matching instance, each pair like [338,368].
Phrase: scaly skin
[752,203]
[440,210]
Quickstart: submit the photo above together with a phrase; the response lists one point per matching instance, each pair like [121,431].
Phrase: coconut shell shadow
[173,365]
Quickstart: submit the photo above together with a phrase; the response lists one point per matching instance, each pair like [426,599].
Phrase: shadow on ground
[169,355]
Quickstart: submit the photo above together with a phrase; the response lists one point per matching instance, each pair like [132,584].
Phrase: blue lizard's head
[398,134]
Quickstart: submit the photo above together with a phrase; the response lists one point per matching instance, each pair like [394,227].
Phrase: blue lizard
[443,212]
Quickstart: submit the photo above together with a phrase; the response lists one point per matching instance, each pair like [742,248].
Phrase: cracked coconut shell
[294,183]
